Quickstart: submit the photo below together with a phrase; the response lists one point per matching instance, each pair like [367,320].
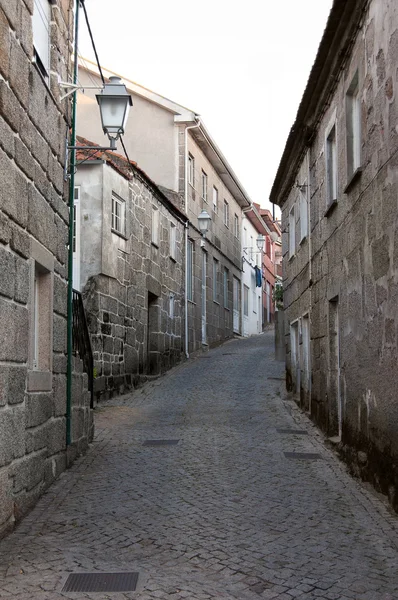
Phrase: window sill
[118,233]
[155,244]
[226,308]
[174,260]
[216,302]
[39,381]
[354,178]
[291,257]
[330,208]
[192,302]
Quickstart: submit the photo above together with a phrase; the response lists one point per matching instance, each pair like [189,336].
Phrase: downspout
[70,240]
[197,124]
[309,271]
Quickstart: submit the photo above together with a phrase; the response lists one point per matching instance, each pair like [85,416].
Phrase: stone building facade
[172,145]
[214,290]
[337,185]
[35,40]
[129,256]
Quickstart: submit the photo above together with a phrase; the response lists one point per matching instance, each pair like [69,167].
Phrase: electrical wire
[125,152]
[82,2]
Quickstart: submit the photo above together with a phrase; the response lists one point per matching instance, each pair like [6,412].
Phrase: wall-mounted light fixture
[204,220]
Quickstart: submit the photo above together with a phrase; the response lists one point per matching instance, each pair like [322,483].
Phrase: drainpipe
[197,124]
[70,241]
[309,271]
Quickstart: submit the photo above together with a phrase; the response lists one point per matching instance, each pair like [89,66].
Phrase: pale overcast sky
[242,66]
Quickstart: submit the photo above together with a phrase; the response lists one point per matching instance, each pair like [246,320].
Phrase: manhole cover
[160,442]
[303,455]
[293,431]
[101,582]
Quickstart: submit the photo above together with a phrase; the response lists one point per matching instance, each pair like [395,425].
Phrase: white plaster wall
[89,177]
[150,136]
[253,323]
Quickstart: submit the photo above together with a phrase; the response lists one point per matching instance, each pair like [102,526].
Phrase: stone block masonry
[134,294]
[34,125]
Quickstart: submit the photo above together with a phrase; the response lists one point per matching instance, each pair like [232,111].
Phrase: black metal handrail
[81,341]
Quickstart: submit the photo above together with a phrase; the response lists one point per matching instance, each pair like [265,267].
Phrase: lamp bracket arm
[72,87]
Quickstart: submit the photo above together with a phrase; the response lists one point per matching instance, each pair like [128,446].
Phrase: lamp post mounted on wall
[114,103]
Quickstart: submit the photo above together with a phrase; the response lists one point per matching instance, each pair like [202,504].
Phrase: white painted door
[76,240]
[236,305]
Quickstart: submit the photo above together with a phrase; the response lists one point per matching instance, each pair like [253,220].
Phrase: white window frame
[191,170]
[353,128]
[245,300]
[236,226]
[171,306]
[41,29]
[292,232]
[215,199]
[173,241]
[155,225]
[204,186]
[303,203]
[118,212]
[331,179]
[226,213]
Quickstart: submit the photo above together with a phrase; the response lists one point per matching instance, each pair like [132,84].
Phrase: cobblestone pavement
[222,514]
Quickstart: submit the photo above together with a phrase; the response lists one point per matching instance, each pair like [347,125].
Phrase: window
[41,319]
[236,226]
[118,215]
[155,225]
[254,302]
[353,127]
[245,238]
[215,199]
[190,250]
[226,213]
[173,241]
[171,306]
[41,36]
[303,212]
[331,167]
[245,300]
[191,170]
[226,287]
[204,186]
[215,280]
[292,233]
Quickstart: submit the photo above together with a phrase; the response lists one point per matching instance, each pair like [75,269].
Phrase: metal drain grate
[101,582]
[303,455]
[293,431]
[160,442]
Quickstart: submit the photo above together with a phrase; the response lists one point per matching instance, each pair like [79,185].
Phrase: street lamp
[204,222]
[260,242]
[114,104]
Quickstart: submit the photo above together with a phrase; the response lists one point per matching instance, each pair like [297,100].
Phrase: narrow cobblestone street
[223,513]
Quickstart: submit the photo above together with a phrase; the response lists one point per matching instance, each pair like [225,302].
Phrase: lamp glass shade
[204,222]
[114,102]
[260,242]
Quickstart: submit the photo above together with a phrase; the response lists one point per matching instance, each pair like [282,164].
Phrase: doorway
[334,387]
[153,333]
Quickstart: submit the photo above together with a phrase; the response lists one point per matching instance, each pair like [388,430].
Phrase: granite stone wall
[33,247]
[345,273]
